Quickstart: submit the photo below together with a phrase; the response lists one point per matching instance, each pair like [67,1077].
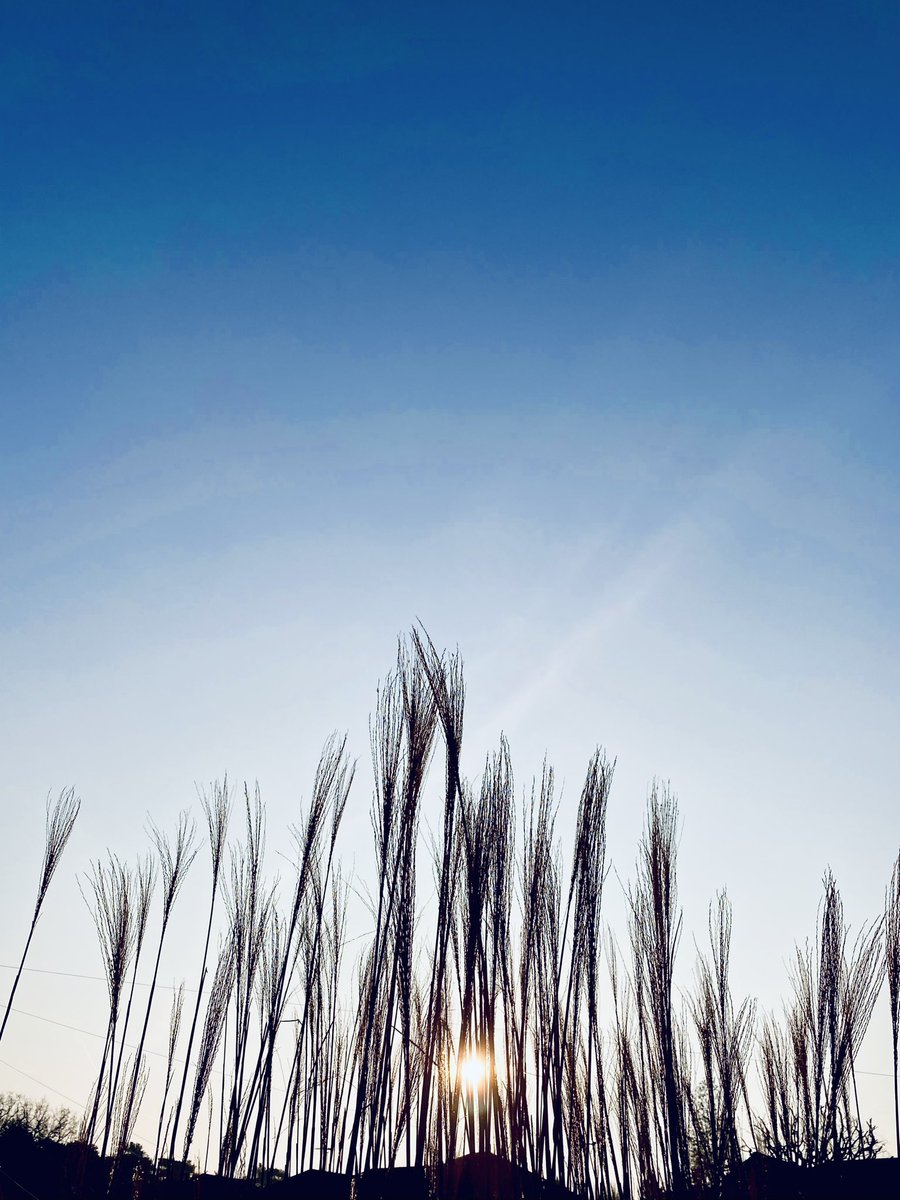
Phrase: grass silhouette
[593,1070]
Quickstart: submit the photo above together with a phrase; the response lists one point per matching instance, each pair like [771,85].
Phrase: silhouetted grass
[892,966]
[599,1072]
[60,822]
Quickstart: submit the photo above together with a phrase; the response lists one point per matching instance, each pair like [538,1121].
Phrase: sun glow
[473,1072]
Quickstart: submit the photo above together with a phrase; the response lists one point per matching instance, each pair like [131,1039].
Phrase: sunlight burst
[473,1072]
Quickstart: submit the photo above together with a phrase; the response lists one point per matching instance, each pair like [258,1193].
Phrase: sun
[473,1072]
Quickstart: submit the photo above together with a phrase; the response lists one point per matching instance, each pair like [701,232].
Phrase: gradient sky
[573,335]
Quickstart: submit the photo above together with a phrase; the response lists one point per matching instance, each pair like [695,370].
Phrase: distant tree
[174,1169]
[36,1117]
[137,1158]
[130,1167]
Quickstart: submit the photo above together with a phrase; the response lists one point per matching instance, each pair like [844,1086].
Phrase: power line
[94,978]
[90,1033]
[41,1083]
[50,1021]
[171,987]
[15,1183]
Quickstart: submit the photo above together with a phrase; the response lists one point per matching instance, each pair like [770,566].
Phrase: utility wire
[95,978]
[90,1033]
[50,1021]
[41,1083]
[15,1183]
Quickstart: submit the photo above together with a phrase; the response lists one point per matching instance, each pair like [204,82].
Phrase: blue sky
[572,334]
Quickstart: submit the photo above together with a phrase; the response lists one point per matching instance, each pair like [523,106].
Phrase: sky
[571,334]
